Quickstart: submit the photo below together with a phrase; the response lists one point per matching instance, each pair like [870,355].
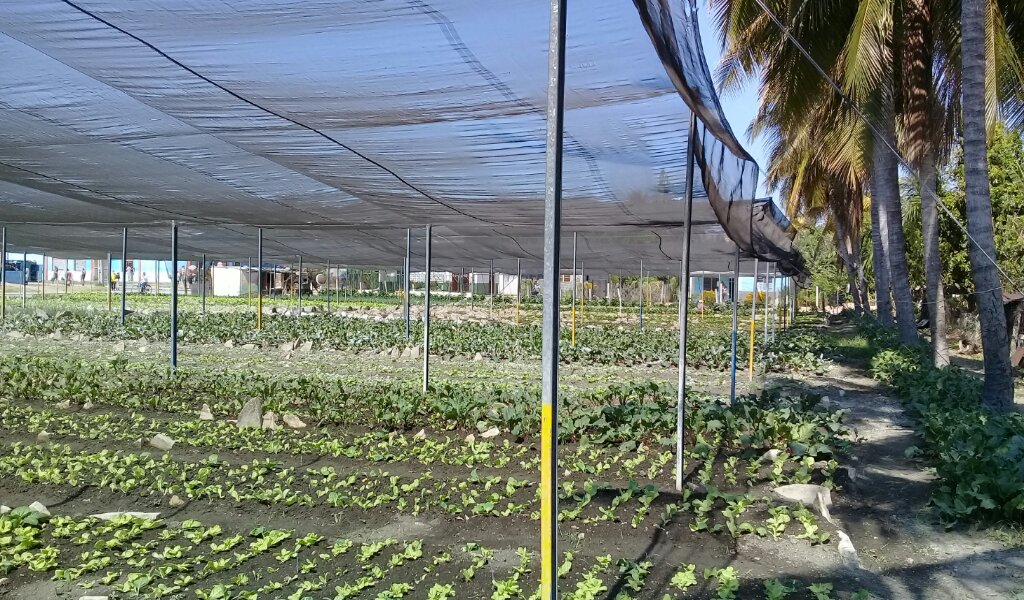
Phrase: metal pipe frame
[572,309]
[753,324]
[3,272]
[426,314]
[174,297]
[24,281]
[519,286]
[298,286]
[549,327]
[684,307]
[641,294]
[202,276]
[110,280]
[328,275]
[735,325]
[259,279]
[124,275]
[767,300]
[44,273]
[407,286]
[248,281]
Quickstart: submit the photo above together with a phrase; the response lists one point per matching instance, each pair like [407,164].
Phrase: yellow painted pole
[573,327]
[750,375]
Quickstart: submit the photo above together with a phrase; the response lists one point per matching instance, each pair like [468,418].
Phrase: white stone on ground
[847,553]
[251,414]
[470,438]
[161,442]
[39,507]
[478,357]
[43,437]
[205,414]
[490,433]
[294,422]
[805,493]
[176,501]
[269,421]
[420,435]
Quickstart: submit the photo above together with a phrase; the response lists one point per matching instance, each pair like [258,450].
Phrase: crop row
[266,481]
[626,413]
[144,558]
[599,345]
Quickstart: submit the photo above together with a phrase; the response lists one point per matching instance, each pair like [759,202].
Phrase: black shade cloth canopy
[336,125]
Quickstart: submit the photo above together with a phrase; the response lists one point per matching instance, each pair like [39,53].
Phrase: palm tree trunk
[879,243]
[997,393]
[933,260]
[844,253]
[885,189]
[862,282]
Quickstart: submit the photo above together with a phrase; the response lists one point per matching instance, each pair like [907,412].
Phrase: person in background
[113,280]
[53,277]
[129,273]
[144,284]
[83,276]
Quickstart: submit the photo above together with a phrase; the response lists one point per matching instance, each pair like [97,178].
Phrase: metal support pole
[573,280]
[767,301]
[684,307]
[461,279]
[549,331]
[259,280]
[583,290]
[298,286]
[328,275]
[3,272]
[43,272]
[174,298]
[110,281]
[426,315]
[735,326]
[753,325]
[24,280]
[641,294]
[519,286]
[202,276]
[124,274]
[248,281]
[407,285]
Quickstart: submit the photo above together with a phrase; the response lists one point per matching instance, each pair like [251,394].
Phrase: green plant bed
[790,350]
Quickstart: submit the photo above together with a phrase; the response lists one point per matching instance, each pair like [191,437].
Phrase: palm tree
[998,387]
[885,64]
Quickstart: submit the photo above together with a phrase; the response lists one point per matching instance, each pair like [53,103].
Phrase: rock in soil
[205,414]
[420,435]
[269,421]
[43,437]
[251,415]
[294,422]
[814,496]
[478,357]
[490,433]
[161,442]
[470,438]
[39,507]
[176,502]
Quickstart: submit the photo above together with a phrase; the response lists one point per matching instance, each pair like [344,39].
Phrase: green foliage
[978,456]
[1006,177]
[600,345]
[818,247]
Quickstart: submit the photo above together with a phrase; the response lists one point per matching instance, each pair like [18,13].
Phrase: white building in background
[234,281]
